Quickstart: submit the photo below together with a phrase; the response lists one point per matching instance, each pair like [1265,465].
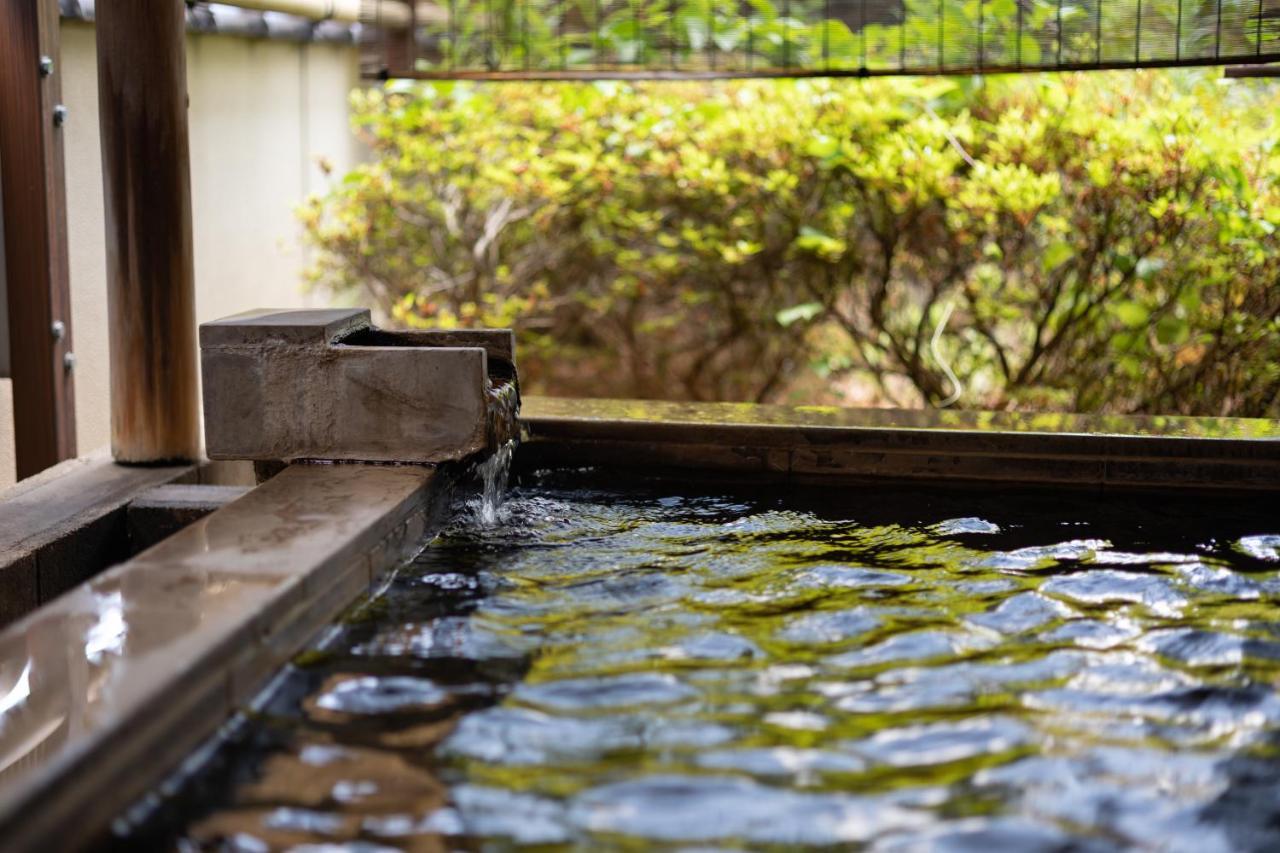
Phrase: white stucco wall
[262,114]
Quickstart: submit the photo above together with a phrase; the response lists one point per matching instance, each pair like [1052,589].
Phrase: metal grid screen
[600,39]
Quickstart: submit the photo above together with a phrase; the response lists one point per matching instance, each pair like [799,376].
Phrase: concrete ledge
[111,685]
[158,513]
[825,444]
[66,524]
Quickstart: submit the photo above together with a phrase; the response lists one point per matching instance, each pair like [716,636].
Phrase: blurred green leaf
[1055,255]
[1132,314]
[802,313]
[1172,330]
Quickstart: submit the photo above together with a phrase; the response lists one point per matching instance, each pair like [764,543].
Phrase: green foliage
[1092,242]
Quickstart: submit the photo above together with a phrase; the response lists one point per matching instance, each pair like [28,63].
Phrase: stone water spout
[328,385]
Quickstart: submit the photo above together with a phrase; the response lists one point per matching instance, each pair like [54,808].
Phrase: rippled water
[635,669]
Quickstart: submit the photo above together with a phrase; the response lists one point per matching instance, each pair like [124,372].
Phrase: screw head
[69,361]
[46,66]
[58,329]
[59,115]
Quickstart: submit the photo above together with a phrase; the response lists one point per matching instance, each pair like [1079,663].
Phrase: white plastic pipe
[388,13]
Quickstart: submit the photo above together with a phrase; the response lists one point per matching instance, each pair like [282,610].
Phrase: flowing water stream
[493,473]
[636,668]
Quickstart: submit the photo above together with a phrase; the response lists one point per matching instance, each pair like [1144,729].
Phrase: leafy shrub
[1086,242]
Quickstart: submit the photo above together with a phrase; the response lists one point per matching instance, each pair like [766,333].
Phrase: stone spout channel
[328,385]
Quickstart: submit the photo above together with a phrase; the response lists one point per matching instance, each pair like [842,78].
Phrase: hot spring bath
[690,626]
[639,665]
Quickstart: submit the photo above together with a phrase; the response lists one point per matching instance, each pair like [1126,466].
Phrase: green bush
[1083,242]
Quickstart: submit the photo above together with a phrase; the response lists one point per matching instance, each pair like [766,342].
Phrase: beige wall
[262,114]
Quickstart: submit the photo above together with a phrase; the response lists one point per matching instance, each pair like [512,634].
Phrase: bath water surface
[639,668]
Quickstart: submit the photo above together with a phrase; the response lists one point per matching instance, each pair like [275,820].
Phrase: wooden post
[399,49]
[35,234]
[142,96]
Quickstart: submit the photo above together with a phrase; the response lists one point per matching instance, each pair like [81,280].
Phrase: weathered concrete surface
[227,472]
[270,326]
[113,684]
[498,344]
[66,524]
[161,512]
[827,444]
[326,385]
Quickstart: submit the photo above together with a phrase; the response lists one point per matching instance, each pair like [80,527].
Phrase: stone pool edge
[270,570]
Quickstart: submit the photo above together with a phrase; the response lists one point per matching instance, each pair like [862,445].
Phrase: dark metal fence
[622,39]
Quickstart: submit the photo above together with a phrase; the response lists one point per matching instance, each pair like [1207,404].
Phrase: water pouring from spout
[493,477]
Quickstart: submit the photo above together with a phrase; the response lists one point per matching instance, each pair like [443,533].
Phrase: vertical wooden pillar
[35,234]
[142,95]
[397,36]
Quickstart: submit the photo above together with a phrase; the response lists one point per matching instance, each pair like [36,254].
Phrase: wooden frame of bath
[187,632]
[825,444]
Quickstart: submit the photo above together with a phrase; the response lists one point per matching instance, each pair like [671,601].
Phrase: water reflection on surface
[635,669]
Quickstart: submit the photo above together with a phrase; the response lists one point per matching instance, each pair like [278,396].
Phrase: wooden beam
[35,234]
[146,174]
[386,68]
[1237,72]
[68,523]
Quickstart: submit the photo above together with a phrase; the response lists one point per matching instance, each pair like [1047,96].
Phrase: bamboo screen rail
[653,39]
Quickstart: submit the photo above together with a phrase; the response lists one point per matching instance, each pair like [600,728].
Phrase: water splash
[493,476]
